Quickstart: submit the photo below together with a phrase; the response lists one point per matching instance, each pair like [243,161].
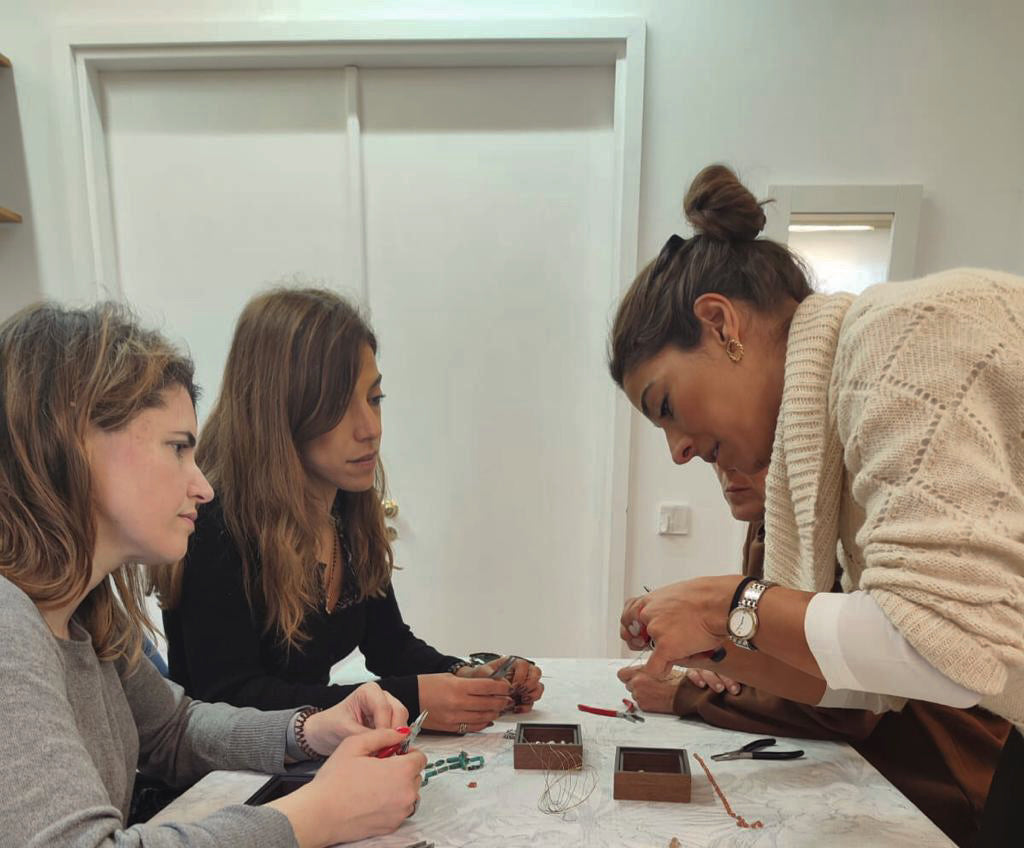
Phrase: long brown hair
[290,373]
[64,371]
[724,256]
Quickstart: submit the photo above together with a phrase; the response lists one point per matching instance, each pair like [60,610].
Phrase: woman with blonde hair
[290,568]
[891,427]
[97,429]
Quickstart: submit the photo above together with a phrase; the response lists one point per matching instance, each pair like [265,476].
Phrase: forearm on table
[753,710]
[767,673]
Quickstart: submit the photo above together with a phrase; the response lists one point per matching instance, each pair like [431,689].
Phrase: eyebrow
[643,399]
[190,437]
[376,382]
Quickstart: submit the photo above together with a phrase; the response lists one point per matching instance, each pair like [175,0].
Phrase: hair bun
[720,206]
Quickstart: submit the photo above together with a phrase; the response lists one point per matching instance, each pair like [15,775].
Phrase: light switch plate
[673,520]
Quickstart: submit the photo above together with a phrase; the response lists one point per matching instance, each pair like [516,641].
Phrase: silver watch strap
[753,591]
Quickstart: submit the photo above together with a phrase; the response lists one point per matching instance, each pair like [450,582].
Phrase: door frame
[83,51]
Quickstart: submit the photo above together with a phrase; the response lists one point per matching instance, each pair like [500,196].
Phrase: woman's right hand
[355,795]
[462,704]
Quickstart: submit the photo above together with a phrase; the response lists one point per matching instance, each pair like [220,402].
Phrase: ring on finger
[463,728]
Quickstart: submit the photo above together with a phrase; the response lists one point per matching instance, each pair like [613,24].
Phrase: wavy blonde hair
[290,373]
[63,371]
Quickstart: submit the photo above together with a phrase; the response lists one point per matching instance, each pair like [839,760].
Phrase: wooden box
[651,774]
[558,747]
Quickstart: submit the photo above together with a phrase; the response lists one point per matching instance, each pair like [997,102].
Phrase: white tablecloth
[831,798]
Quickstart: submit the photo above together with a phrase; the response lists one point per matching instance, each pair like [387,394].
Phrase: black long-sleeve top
[218,648]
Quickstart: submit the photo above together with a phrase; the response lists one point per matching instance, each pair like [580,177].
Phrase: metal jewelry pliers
[628,715]
[752,751]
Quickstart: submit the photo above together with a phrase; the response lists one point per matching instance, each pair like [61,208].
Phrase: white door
[488,228]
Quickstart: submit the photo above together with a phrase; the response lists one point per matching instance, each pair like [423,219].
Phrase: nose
[368,428]
[201,489]
[681,447]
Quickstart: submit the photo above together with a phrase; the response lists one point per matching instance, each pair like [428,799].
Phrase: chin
[358,486]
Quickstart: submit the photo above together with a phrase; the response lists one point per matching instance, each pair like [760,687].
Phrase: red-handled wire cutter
[628,716]
[403,746]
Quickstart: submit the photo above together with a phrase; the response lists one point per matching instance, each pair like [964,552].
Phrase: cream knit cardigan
[899,449]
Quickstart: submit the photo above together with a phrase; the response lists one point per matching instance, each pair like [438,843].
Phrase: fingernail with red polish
[403,730]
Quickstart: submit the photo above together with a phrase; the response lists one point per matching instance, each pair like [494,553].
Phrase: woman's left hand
[684,620]
[368,708]
[523,677]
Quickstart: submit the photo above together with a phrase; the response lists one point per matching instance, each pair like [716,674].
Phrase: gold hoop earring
[734,349]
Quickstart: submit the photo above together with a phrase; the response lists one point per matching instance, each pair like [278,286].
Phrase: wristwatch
[742,623]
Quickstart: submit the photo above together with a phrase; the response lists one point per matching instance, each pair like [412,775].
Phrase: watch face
[742,623]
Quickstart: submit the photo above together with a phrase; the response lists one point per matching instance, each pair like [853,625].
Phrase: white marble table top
[831,798]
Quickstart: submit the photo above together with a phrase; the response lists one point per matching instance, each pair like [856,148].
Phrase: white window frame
[903,202]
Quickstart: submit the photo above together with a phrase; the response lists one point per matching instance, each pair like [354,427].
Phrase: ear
[718,316]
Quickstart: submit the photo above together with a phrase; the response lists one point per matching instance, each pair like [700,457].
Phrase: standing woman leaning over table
[97,476]
[290,569]
[893,423]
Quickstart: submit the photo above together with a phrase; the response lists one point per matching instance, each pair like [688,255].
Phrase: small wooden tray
[652,774]
[558,747]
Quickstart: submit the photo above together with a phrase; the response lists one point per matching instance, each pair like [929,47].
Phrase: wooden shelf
[4,61]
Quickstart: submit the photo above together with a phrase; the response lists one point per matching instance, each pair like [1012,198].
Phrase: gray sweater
[74,729]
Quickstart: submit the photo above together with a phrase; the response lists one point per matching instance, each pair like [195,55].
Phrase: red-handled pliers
[403,746]
[612,713]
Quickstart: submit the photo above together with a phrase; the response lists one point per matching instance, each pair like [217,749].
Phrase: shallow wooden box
[558,747]
[652,774]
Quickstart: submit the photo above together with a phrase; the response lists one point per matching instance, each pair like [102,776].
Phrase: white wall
[920,91]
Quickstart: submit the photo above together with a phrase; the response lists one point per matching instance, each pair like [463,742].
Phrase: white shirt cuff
[857,648]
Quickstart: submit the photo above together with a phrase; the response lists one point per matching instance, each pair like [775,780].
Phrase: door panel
[489,221]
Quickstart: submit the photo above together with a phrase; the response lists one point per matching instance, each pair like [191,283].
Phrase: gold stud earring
[734,349]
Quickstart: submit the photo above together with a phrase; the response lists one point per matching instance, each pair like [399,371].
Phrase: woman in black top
[290,569]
